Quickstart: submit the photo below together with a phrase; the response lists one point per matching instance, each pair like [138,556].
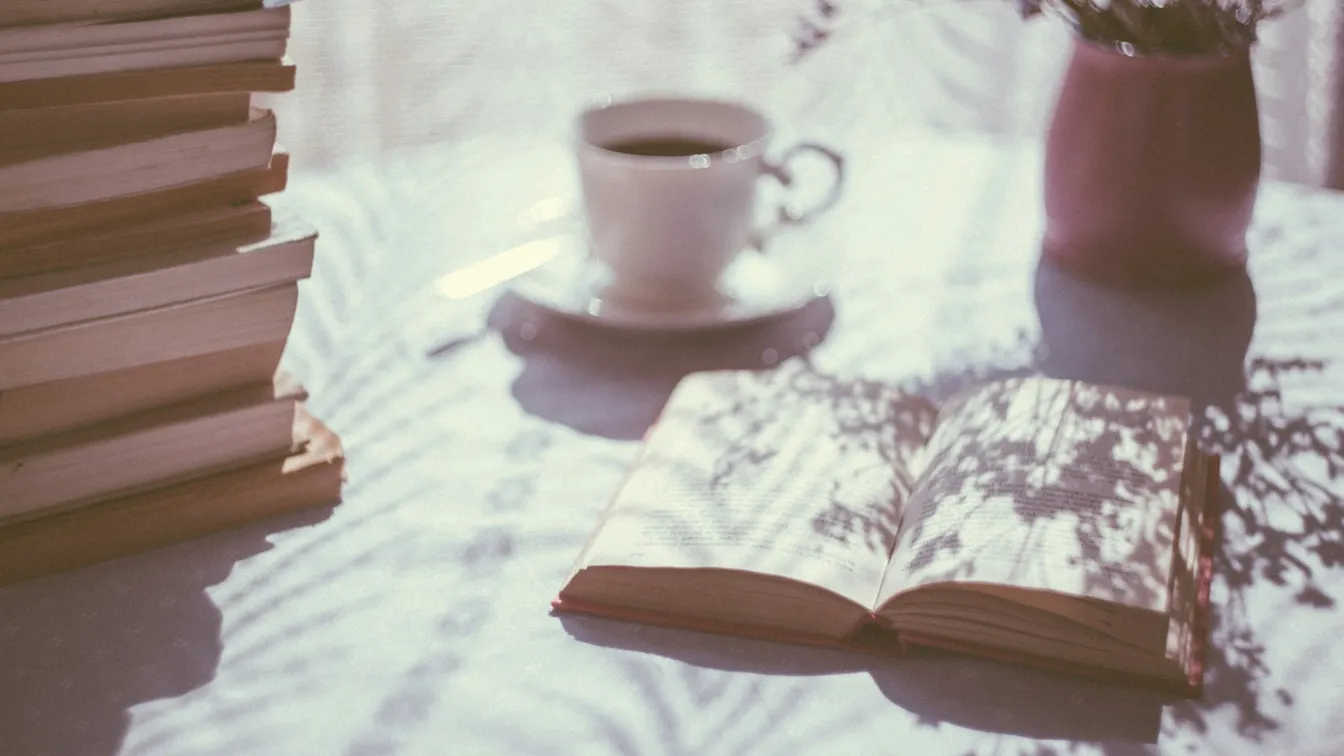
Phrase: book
[33,303]
[244,76]
[223,225]
[191,509]
[35,12]
[202,326]
[31,133]
[45,409]
[1042,521]
[148,450]
[155,164]
[66,223]
[79,49]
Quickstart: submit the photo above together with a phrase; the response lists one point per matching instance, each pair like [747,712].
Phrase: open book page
[786,473]
[1048,484]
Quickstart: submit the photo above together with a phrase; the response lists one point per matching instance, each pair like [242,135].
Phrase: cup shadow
[79,649]
[613,384]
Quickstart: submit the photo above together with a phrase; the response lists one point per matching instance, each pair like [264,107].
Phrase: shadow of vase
[79,650]
[613,384]
[1187,341]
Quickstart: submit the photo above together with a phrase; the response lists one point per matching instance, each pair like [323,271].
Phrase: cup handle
[780,170]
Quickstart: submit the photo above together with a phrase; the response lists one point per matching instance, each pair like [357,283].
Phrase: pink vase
[1152,165]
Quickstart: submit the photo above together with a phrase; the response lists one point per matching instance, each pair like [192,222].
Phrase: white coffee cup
[670,192]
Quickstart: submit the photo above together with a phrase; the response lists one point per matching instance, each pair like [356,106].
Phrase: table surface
[485,437]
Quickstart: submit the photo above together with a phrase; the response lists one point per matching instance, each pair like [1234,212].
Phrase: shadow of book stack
[146,293]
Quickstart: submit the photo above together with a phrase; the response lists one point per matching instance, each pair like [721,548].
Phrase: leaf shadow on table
[1191,341]
[609,383]
[1195,341]
[78,650]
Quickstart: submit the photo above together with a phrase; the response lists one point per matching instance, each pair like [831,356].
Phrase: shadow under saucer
[613,383]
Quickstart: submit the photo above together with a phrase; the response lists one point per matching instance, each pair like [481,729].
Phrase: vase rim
[1195,59]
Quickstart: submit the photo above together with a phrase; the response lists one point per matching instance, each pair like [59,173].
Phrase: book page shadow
[80,649]
[994,697]
[612,384]
[934,686]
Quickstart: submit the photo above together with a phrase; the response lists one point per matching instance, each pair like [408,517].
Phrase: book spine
[53,224]
[250,76]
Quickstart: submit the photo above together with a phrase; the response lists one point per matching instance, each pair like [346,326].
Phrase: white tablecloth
[413,618]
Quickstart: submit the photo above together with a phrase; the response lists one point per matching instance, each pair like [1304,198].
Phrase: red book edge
[891,644]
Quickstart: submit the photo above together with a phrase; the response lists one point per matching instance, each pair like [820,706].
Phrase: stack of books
[146,292]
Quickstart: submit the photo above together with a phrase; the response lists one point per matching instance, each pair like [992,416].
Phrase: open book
[1049,522]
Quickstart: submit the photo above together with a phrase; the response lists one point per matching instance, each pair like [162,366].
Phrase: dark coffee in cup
[669,146]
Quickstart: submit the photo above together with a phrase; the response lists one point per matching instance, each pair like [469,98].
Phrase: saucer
[573,285]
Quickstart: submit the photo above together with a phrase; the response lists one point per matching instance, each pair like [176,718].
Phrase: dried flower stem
[1139,27]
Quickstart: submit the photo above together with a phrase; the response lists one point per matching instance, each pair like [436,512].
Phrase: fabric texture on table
[413,618]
